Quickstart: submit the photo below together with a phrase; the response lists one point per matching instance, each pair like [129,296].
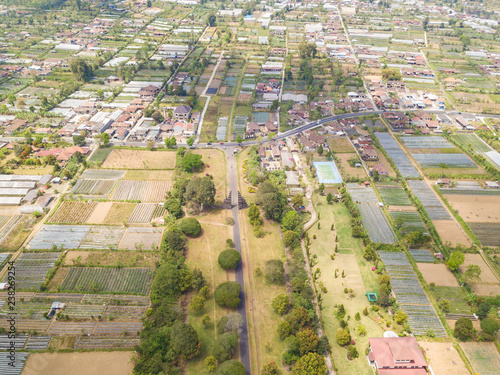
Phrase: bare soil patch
[487,276]
[114,363]
[438,274]
[491,290]
[443,358]
[450,232]
[139,159]
[100,213]
[476,208]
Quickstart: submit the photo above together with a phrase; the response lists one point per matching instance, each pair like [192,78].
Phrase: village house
[396,355]
[182,112]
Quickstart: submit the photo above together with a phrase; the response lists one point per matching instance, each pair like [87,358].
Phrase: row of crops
[19,363]
[73,212]
[102,174]
[394,196]
[92,343]
[110,300]
[9,223]
[411,297]
[426,142]
[422,255]
[407,222]
[487,233]
[471,142]
[446,160]
[32,268]
[93,187]
[429,200]
[101,237]
[26,342]
[65,236]
[403,164]
[145,212]
[117,280]
[146,191]
[376,223]
[361,194]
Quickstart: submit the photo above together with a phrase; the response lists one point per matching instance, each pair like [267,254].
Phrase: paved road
[233,188]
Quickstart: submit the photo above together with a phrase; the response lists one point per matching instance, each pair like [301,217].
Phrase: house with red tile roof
[397,356]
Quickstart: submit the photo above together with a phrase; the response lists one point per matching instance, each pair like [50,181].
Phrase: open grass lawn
[215,162]
[39,171]
[203,253]
[119,213]
[265,345]
[358,277]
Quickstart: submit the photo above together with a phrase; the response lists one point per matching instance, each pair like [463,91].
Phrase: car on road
[209,143]
[222,143]
[192,147]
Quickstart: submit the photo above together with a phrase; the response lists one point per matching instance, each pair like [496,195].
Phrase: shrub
[352,352]
[190,226]
[342,337]
[275,271]
[401,317]
[173,206]
[270,369]
[490,325]
[361,330]
[232,367]
[224,346]
[281,303]
[464,329]
[229,258]
[227,294]
[197,304]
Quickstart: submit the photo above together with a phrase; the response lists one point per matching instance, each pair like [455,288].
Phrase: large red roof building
[397,356]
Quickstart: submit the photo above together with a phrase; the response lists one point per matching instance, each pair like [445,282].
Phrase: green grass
[455,296]
[394,196]
[407,222]
[101,154]
[470,142]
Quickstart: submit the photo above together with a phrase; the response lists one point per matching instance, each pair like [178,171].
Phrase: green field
[455,296]
[101,154]
[394,196]
[471,142]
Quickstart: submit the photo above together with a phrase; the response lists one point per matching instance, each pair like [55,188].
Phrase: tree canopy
[229,258]
[228,294]
[192,162]
[81,70]
[185,340]
[224,346]
[310,364]
[189,226]
[232,367]
[272,200]
[456,260]
[200,191]
[464,330]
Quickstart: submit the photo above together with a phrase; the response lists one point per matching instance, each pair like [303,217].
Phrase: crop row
[447,160]
[397,155]
[146,191]
[376,224]
[361,194]
[102,174]
[145,212]
[487,233]
[429,200]
[407,222]
[394,196]
[93,187]
[426,142]
[32,268]
[73,212]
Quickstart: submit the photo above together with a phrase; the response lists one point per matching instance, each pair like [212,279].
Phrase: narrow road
[233,188]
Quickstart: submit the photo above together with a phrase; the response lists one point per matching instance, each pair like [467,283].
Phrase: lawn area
[38,171]
[265,345]
[215,162]
[203,254]
[358,277]
[119,213]
[340,145]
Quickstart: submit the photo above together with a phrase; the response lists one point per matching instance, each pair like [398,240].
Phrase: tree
[272,200]
[310,364]
[465,40]
[229,258]
[342,337]
[254,215]
[307,50]
[320,150]
[230,323]
[401,317]
[224,346]
[456,260]
[329,198]
[79,140]
[191,162]
[211,19]
[197,304]
[352,352]
[383,295]
[81,70]
[239,139]
[190,141]
[275,271]
[185,340]
[227,294]
[472,273]
[297,201]
[321,188]
[490,325]
[444,305]
[200,191]
[284,329]
[105,139]
[170,142]
[270,368]
[189,226]
[291,221]
[174,240]
[281,303]
[173,206]
[308,341]
[417,238]
[290,239]
[232,367]
[211,363]
[483,310]
[28,138]
[464,329]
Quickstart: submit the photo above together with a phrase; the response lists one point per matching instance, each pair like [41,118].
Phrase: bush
[464,330]
[352,352]
[490,325]
[173,206]
[190,226]
[270,369]
[232,367]
[197,304]
[185,341]
[343,337]
[281,303]
[224,346]
[229,258]
[227,294]
[401,317]
[275,271]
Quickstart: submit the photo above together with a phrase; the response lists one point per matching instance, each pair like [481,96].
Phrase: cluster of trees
[465,331]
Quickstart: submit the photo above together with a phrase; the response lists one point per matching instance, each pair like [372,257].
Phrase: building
[182,112]
[396,356]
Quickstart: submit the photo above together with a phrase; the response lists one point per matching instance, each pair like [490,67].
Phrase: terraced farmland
[145,191]
[73,212]
[65,236]
[394,196]
[407,222]
[101,238]
[145,212]
[487,233]
[118,280]
[93,187]
[32,268]
[376,224]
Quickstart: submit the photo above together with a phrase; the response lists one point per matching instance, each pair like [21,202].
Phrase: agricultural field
[137,238]
[456,297]
[106,258]
[73,212]
[394,196]
[100,154]
[60,236]
[443,358]
[376,223]
[149,175]
[428,198]
[422,255]
[100,237]
[140,159]
[487,233]
[119,213]
[20,361]
[146,212]
[444,161]
[471,142]
[361,194]
[476,208]
[423,142]
[403,164]
[146,191]
[108,280]
[407,222]
[346,169]
[340,145]
[483,356]
[102,174]
[93,187]
[32,268]
[438,274]
[450,232]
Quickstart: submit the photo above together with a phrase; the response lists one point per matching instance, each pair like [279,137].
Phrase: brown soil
[113,258]
[438,274]
[443,358]
[99,213]
[487,276]
[111,363]
[450,232]
[476,208]
[139,159]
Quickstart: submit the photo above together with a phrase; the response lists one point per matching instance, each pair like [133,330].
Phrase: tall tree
[200,191]
[81,70]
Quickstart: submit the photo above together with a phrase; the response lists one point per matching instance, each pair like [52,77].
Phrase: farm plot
[19,362]
[407,222]
[125,312]
[37,343]
[71,328]
[361,194]
[147,191]
[83,311]
[9,226]
[438,274]
[102,174]
[376,224]
[423,320]
[397,155]
[93,187]
[73,212]
[141,239]
[456,297]
[18,341]
[429,200]
[65,236]
[422,255]
[444,160]
[117,280]
[145,212]
[140,159]
[487,233]
[110,298]
[483,356]
[394,196]
[31,310]
[340,145]
[471,142]
[476,208]
[118,328]
[92,343]
[426,142]
[102,238]
[487,275]
[32,268]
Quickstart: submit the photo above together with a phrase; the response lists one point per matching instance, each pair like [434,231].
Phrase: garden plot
[438,274]
[397,155]
[19,341]
[487,233]
[141,239]
[102,174]
[147,191]
[118,328]
[102,238]
[476,208]
[407,222]
[92,343]
[10,224]
[361,194]
[65,236]
[487,275]
[83,311]
[125,312]
[471,142]
[71,328]
[423,320]
[93,187]
[426,142]
[455,295]
[110,298]
[19,362]
[444,160]
[422,255]
[483,356]
[376,224]
[32,268]
[429,200]
[449,231]
[145,212]
[394,196]
[118,280]
[73,212]
[140,159]
[37,343]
